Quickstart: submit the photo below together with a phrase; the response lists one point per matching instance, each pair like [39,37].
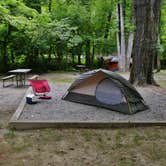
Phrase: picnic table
[20,75]
[81,67]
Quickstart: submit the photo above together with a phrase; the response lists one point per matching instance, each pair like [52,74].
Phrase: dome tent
[106,89]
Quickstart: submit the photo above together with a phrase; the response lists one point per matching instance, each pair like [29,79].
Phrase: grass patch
[9,135]
[162,83]
[62,72]
[162,72]
[125,162]
[20,146]
[61,80]
[1,126]
[87,135]
[161,78]
[51,135]
[156,152]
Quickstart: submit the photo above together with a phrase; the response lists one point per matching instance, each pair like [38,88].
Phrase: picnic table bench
[8,78]
[81,67]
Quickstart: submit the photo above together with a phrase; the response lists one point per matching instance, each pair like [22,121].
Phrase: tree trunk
[79,59]
[73,60]
[108,25]
[119,31]
[118,45]
[87,52]
[4,65]
[4,56]
[147,14]
[122,58]
[12,56]
[129,50]
[49,53]
[93,53]
[79,51]
[121,39]
[49,5]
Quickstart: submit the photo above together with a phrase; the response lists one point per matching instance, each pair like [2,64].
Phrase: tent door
[107,92]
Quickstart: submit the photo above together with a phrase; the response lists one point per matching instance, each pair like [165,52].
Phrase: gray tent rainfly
[106,89]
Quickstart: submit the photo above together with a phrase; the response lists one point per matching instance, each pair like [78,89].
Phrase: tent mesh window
[108,93]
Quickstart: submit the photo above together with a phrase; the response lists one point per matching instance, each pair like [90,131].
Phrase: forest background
[59,34]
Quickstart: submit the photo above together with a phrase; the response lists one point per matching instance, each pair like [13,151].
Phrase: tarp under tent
[106,89]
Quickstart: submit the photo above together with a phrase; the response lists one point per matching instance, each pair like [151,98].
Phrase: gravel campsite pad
[59,110]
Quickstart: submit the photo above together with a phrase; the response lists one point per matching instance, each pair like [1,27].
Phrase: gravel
[59,110]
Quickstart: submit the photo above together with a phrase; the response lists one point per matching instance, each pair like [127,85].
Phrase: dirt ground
[78,147]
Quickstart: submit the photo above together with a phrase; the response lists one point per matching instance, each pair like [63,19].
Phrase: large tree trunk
[147,14]
[129,49]
[122,55]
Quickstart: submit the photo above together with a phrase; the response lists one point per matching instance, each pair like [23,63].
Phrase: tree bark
[78,51]
[79,59]
[93,53]
[147,14]
[118,32]
[4,65]
[87,52]
[108,25]
[122,59]
[129,49]
[121,39]
[73,59]
[12,56]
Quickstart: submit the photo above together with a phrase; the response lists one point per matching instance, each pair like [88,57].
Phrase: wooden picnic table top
[20,71]
[81,66]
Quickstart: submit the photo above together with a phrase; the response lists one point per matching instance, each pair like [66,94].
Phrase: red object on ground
[40,87]
[113,66]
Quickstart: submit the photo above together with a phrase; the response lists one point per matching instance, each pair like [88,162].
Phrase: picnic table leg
[12,80]
[21,80]
[24,78]
[17,80]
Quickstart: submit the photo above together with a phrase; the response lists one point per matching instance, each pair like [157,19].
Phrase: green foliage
[37,33]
